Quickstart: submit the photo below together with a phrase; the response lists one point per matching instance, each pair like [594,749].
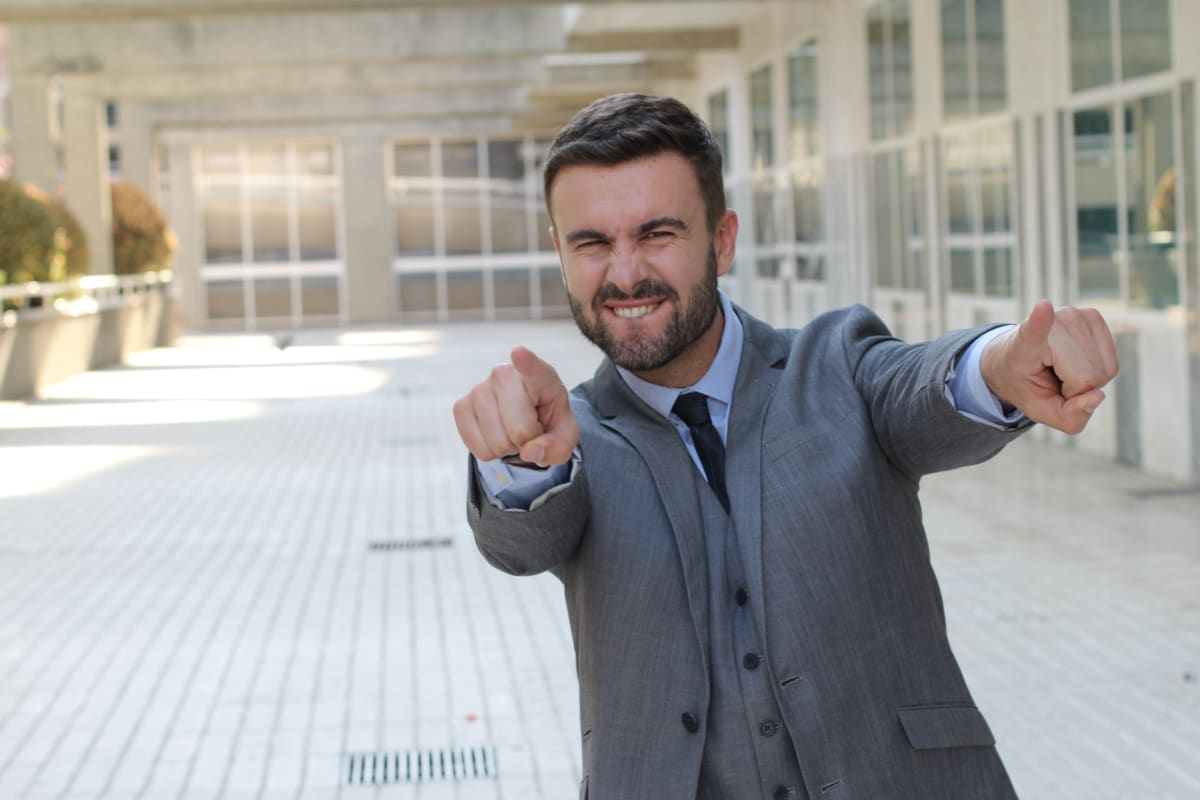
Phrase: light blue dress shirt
[518,488]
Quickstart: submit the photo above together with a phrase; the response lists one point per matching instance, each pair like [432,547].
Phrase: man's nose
[626,269]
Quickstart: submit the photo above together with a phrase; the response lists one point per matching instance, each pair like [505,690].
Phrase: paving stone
[189,606]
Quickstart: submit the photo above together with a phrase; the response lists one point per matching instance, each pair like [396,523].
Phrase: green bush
[142,242]
[33,247]
[79,258]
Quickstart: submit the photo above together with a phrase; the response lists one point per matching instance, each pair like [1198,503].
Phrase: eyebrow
[588,234]
[662,222]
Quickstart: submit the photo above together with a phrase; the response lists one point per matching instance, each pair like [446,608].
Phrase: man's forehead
[640,190]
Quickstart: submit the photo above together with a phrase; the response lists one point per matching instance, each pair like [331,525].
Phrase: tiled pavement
[190,605]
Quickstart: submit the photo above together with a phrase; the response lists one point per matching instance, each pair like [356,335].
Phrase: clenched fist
[522,408]
[1053,365]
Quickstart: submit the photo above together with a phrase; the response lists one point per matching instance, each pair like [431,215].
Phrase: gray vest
[747,750]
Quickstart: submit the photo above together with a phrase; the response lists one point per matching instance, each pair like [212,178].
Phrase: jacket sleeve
[904,386]
[528,542]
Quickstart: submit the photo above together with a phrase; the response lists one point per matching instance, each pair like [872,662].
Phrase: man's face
[638,260]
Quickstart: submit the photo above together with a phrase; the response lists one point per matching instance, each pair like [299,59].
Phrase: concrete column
[368,242]
[89,194]
[32,145]
[182,215]
[136,140]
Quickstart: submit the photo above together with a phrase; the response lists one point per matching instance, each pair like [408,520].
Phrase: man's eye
[659,234]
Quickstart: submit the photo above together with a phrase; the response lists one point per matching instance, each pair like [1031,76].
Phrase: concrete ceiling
[536,61]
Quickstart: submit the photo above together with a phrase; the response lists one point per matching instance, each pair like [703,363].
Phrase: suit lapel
[656,441]
[764,351]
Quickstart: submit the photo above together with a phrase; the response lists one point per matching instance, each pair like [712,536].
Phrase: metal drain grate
[409,544]
[421,766]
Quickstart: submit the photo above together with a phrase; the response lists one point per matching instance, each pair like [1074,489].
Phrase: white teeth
[636,311]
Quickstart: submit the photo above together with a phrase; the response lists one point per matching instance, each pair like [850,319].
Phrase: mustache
[644,290]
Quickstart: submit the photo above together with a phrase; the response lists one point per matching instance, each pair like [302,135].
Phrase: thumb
[1033,334]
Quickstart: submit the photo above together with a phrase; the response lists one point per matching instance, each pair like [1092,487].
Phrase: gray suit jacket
[831,428]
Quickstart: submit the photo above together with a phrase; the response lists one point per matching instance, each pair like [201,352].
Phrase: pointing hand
[1053,365]
[521,408]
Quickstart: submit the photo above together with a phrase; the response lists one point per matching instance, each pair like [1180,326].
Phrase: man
[733,509]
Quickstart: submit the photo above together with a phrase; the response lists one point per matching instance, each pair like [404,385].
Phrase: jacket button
[768,728]
[690,723]
[741,596]
[751,661]
[781,793]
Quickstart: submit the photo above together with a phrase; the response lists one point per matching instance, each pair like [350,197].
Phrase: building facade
[948,162]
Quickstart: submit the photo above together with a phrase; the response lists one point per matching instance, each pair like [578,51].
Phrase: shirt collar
[717,382]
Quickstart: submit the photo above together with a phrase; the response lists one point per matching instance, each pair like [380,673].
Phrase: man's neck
[689,366]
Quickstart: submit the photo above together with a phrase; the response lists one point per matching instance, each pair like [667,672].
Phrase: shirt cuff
[970,394]
[512,488]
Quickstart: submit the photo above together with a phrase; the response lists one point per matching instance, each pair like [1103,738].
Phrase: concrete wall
[37,351]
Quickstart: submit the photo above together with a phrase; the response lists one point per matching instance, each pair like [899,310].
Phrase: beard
[687,324]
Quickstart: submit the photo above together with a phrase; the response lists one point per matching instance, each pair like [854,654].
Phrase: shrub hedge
[142,242]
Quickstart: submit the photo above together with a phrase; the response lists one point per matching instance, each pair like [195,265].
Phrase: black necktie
[692,408]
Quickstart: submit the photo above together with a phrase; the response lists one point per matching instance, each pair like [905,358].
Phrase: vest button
[751,661]
[781,793]
[768,728]
[741,596]
[690,723]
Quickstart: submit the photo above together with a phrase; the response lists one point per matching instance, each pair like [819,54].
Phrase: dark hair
[625,127]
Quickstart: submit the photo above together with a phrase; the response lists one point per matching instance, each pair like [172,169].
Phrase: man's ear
[725,240]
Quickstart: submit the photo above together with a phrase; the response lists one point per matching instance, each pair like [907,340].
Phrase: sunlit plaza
[239,566]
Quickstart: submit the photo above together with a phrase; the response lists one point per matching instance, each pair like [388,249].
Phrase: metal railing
[89,294]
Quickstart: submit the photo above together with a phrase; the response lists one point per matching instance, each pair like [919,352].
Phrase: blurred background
[948,162]
[234,563]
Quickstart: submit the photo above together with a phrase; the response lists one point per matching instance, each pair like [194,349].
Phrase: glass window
[974,74]
[762,152]
[877,70]
[807,205]
[1096,203]
[959,165]
[511,288]
[718,122]
[269,229]
[464,291]
[1091,43]
[219,160]
[764,212]
[314,159]
[414,229]
[995,180]
[885,253]
[554,293]
[810,268]
[997,276]
[1150,185]
[889,68]
[273,298]
[222,229]
[226,299]
[506,160]
[266,160]
[460,160]
[509,226]
[962,271]
[318,231]
[803,102]
[463,222]
[412,160]
[990,68]
[956,81]
[767,267]
[319,295]
[417,292]
[1145,37]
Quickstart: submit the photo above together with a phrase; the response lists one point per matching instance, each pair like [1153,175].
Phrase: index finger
[1106,345]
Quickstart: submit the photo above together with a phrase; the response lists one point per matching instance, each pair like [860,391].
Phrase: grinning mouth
[632,312]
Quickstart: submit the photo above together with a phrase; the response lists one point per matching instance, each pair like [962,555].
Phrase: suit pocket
[945,725]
